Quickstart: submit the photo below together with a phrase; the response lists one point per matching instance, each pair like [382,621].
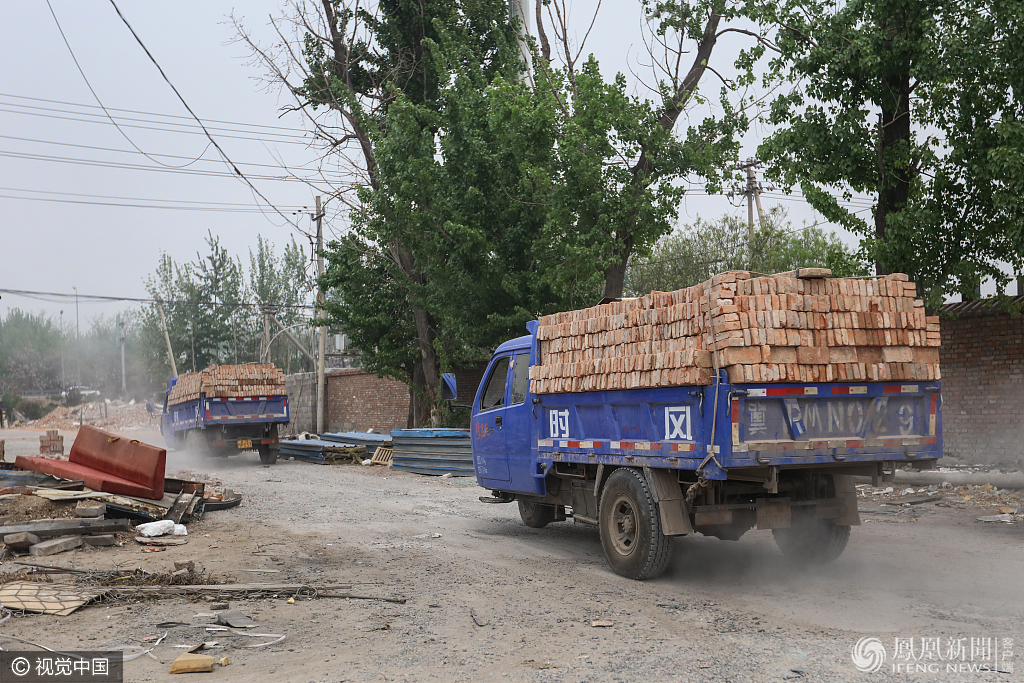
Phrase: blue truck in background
[225,426]
[643,465]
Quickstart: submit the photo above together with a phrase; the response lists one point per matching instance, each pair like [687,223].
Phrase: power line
[161,125]
[149,113]
[131,199]
[137,167]
[100,102]
[227,159]
[61,297]
[128,151]
[210,209]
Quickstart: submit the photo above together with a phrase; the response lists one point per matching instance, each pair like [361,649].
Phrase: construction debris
[791,327]
[51,443]
[55,545]
[322,452]
[48,598]
[52,528]
[190,663]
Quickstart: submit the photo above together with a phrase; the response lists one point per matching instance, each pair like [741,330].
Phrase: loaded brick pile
[800,326]
[229,381]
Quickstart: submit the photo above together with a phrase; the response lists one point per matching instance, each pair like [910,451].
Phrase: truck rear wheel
[814,541]
[630,524]
[196,444]
[267,456]
[536,515]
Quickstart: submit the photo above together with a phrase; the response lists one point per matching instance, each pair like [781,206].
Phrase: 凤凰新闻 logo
[868,654]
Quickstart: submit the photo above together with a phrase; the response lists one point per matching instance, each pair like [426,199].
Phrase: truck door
[489,456]
[518,423]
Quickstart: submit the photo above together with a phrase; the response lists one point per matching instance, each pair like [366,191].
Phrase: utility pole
[321,370]
[167,339]
[266,336]
[517,10]
[78,339]
[752,191]
[120,332]
[63,382]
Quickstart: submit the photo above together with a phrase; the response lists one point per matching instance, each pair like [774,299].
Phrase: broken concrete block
[90,508]
[190,663]
[55,545]
[100,540]
[21,541]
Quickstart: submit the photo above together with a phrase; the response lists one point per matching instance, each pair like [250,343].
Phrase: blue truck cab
[220,427]
[646,464]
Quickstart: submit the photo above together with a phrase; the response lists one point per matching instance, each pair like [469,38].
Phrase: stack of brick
[51,443]
[229,381]
[799,326]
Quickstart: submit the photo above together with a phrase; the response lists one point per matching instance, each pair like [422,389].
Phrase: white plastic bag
[158,528]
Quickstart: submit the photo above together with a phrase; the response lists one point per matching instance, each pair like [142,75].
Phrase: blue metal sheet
[432,451]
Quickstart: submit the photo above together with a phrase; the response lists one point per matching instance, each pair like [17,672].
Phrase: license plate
[774,516]
[245,443]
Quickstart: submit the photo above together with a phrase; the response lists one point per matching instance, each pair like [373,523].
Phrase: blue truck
[224,426]
[643,465]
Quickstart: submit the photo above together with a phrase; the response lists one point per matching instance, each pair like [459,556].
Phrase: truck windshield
[494,392]
[520,377]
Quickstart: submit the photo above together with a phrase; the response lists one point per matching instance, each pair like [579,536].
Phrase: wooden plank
[52,528]
[177,510]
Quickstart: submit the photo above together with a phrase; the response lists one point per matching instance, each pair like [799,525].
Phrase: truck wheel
[196,444]
[267,456]
[814,541]
[631,527]
[536,515]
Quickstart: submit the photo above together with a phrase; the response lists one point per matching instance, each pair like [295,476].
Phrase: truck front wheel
[536,515]
[630,523]
[814,541]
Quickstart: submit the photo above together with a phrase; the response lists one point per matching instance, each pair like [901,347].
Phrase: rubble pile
[799,326]
[109,415]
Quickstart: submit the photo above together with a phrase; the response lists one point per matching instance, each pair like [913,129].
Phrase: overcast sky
[82,208]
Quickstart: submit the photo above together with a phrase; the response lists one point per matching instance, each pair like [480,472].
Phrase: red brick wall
[358,401]
[982,364]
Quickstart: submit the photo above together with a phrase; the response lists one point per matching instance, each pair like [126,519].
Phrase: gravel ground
[490,599]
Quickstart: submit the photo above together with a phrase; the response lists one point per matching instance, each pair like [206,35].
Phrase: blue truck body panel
[716,429]
[205,412]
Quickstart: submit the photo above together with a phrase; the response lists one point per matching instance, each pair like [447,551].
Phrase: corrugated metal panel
[371,441]
[433,451]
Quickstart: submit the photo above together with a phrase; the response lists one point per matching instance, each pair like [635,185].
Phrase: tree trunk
[426,374]
[895,168]
[615,276]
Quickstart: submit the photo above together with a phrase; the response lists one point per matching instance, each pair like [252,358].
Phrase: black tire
[196,444]
[536,515]
[267,456]
[630,523]
[812,541]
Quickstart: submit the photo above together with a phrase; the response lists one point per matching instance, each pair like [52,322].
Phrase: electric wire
[100,102]
[227,159]
[62,297]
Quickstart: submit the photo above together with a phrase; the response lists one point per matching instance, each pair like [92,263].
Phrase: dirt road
[490,599]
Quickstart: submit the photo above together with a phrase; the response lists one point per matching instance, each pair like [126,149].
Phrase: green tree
[30,348]
[916,103]
[694,253]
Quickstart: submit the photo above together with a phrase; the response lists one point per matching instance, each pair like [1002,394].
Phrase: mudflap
[846,491]
[675,514]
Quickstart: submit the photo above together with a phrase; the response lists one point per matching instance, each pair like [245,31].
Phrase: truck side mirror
[449,390]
